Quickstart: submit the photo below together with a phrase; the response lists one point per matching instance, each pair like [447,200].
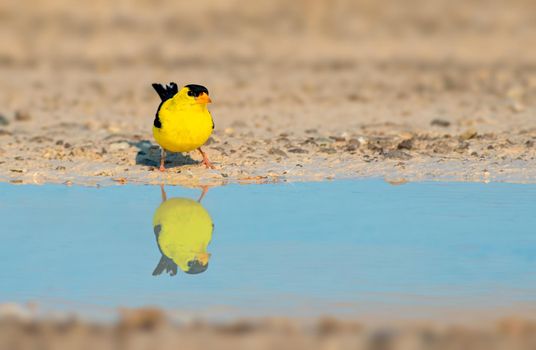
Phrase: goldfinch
[182,122]
[183,230]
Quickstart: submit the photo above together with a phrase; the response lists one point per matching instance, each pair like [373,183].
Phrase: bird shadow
[149,155]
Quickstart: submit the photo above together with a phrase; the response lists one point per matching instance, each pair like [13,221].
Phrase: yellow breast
[185,229]
[183,128]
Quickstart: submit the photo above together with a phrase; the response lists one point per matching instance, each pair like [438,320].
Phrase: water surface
[342,247]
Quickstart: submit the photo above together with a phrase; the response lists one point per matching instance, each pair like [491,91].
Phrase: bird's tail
[166,91]
[166,264]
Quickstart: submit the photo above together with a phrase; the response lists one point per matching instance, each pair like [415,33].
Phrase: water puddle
[347,248]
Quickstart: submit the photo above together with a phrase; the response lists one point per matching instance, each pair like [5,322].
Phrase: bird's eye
[191,93]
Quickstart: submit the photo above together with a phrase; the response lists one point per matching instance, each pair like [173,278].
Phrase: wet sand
[431,91]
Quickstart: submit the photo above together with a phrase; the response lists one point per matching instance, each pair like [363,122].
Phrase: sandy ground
[440,90]
[151,329]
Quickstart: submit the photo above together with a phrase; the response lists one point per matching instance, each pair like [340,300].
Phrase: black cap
[196,90]
[195,267]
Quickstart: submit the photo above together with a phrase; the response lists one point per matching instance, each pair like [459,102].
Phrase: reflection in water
[183,230]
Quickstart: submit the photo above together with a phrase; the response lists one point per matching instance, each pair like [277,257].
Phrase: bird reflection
[183,230]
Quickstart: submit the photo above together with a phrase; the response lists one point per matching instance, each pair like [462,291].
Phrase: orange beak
[203,258]
[203,98]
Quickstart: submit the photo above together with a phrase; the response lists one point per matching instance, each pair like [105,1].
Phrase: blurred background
[105,34]
[350,63]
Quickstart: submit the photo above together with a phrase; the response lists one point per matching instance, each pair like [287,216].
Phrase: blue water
[285,248]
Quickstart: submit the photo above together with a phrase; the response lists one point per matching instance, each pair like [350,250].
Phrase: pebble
[40,139]
[324,141]
[462,146]
[3,120]
[22,116]
[120,180]
[338,138]
[297,150]
[397,154]
[4,132]
[380,143]
[328,150]
[309,140]
[406,144]
[468,134]
[440,122]
[397,181]
[277,151]
[405,135]
[113,129]
[362,140]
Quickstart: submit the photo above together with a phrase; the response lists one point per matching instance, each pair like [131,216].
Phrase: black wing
[165,93]
[167,265]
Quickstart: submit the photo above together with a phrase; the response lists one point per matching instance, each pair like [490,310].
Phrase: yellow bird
[182,122]
[183,230]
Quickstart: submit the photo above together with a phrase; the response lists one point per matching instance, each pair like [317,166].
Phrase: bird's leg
[162,159]
[163,191]
[205,190]
[205,161]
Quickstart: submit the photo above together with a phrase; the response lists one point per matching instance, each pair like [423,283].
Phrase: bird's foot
[162,159]
[207,163]
[205,160]
[204,189]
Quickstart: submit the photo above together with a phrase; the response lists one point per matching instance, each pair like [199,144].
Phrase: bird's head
[198,265]
[190,261]
[195,94]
